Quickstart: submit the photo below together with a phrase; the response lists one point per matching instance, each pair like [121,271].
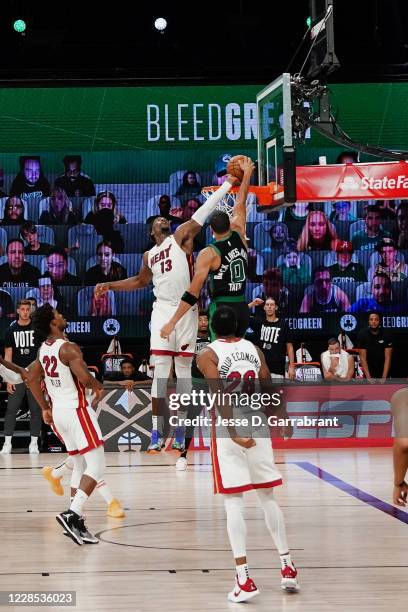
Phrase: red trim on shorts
[251,487]
[218,485]
[89,430]
[75,452]
[172,353]
[88,422]
[89,448]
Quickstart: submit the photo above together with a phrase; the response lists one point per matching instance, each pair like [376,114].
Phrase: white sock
[7,439]
[78,502]
[104,491]
[154,422]
[34,439]
[60,470]
[242,573]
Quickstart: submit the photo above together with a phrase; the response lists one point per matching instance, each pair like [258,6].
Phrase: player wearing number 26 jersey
[241,463]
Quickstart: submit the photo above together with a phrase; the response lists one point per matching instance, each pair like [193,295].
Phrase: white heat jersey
[172,270]
[63,388]
[238,359]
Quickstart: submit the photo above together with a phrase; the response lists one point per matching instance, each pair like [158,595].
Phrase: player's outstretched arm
[203,266]
[139,281]
[238,220]
[186,231]
[11,372]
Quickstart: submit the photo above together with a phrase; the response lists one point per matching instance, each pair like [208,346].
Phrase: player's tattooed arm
[205,261]
[238,220]
[139,281]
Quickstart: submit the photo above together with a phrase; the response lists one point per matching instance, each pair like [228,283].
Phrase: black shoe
[86,536]
[69,520]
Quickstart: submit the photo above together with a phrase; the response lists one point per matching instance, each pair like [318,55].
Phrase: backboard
[276,154]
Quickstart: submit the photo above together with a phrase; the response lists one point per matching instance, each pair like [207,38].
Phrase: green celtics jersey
[230,279]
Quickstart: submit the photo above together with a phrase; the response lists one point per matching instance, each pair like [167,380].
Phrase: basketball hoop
[270,195]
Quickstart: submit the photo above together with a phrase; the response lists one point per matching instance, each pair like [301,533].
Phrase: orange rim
[266,194]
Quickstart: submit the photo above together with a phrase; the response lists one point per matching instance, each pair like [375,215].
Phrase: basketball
[234,168]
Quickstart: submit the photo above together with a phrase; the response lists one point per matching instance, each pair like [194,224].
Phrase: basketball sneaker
[33,448]
[69,520]
[86,536]
[289,578]
[181,464]
[179,439]
[115,509]
[55,483]
[156,442]
[243,592]
[6,450]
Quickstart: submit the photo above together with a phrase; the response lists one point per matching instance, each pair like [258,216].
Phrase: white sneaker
[33,448]
[243,592]
[6,450]
[181,464]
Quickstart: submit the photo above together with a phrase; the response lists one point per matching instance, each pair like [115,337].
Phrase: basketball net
[226,204]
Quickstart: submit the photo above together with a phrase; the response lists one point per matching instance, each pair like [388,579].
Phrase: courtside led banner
[378,181]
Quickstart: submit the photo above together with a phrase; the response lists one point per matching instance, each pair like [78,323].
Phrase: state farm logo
[349,184]
[399,182]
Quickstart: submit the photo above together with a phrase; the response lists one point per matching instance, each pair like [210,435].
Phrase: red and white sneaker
[243,592]
[289,578]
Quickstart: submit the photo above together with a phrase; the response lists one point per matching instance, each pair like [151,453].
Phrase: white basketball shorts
[78,429]
[182,340]
[237,469]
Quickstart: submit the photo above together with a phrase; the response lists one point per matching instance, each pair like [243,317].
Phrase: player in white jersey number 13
[242,463]
[169,266]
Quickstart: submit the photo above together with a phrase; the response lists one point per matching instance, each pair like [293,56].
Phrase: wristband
[189,298]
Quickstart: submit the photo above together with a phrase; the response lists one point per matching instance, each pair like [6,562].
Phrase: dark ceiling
[212,42]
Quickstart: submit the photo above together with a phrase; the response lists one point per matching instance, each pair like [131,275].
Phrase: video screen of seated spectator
[61,233]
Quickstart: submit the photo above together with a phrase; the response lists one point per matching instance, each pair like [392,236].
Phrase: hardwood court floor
[171,551]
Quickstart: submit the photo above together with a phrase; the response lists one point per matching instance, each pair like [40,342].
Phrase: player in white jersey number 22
[61,366]
[243,463]
[169,266]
